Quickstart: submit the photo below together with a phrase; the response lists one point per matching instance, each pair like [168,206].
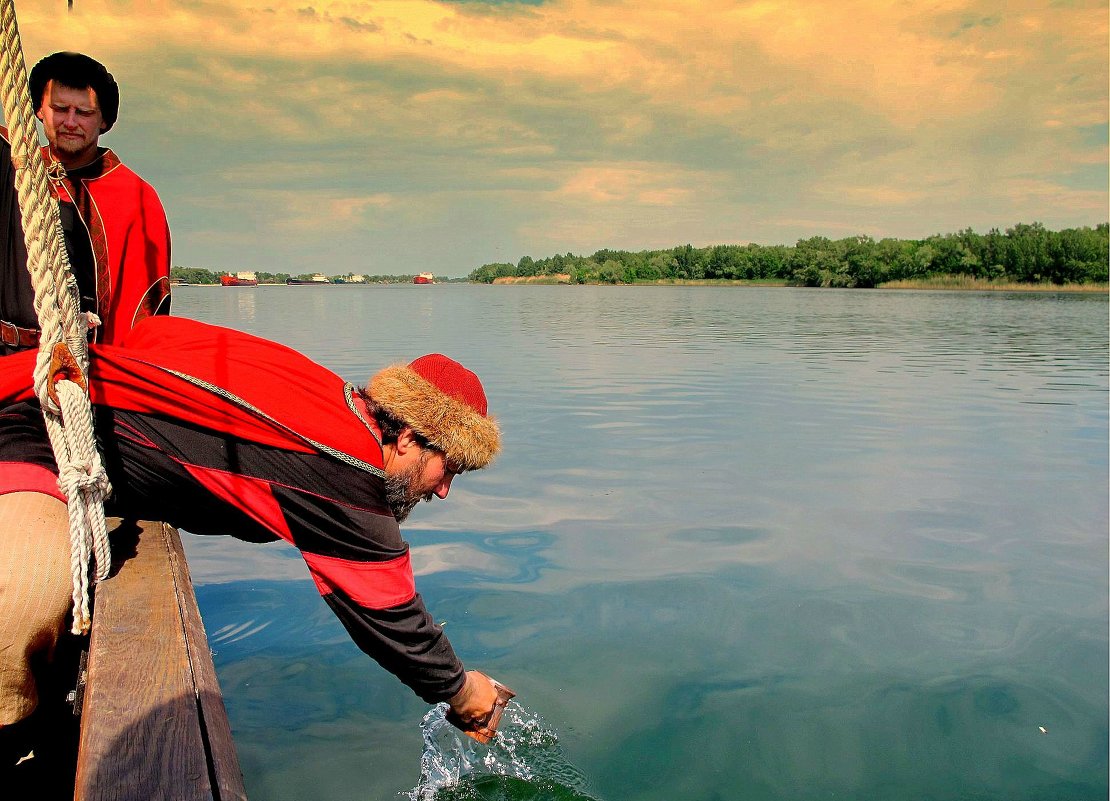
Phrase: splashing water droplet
[522,761]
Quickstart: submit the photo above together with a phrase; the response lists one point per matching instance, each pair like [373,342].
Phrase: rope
[63,359]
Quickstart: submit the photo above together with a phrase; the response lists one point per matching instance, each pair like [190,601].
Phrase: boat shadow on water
[509,788]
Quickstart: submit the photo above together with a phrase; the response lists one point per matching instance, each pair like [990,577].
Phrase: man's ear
[406,441]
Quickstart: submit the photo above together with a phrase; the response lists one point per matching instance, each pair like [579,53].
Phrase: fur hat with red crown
[444,403]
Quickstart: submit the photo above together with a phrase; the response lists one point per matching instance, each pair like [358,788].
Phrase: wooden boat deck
[153,723]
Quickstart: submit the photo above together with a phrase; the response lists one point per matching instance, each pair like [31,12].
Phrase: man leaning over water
[221,432]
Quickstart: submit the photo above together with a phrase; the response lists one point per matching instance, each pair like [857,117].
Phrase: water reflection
[769,544]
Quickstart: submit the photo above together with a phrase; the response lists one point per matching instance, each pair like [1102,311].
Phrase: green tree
[194,275]
[1026,252]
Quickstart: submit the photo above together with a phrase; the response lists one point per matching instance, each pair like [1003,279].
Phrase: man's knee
[35,592]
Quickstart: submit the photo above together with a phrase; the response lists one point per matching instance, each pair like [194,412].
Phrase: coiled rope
[63,358]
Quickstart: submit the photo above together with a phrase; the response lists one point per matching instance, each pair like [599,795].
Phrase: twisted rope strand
[81,475]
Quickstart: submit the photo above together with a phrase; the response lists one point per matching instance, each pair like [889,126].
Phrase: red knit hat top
[452,379]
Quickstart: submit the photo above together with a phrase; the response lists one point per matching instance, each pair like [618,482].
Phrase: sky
[401,136]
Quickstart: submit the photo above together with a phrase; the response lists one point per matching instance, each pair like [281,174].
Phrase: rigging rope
[63,360]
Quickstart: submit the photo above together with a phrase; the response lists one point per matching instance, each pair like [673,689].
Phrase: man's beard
[399,493]
[69,146]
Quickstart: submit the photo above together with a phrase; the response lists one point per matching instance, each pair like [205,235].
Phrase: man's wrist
[463,694]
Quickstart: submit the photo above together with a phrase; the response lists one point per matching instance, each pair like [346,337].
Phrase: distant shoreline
[948,283]
[943,283]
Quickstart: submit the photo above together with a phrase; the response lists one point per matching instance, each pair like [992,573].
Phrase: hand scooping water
[522,760]
[483,730]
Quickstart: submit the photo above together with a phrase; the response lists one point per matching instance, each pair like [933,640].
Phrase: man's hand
[473,704]
[477,707]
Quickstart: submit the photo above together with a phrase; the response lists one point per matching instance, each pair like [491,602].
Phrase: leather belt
[16,337]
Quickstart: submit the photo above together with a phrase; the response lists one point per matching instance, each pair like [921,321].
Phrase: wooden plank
[151,704]
[222,758]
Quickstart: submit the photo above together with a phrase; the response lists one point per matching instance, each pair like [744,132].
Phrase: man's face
[428,474]
[72,121]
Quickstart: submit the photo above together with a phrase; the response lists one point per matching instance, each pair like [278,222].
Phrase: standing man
[118,244]
[114,224]
[221,432]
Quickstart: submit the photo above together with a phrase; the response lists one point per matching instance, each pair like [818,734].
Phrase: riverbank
[946,282]
[967,283]
[558,278]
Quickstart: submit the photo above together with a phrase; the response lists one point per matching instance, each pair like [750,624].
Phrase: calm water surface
[741,544]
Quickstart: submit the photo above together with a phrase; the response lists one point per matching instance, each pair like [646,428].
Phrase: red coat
[130,242]
[121,240]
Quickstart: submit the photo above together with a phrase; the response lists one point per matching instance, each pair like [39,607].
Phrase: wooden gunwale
[153,722]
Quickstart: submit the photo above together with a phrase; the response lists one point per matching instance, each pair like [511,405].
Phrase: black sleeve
[354,550]
[405,641]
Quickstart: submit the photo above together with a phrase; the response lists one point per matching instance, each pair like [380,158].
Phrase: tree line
[1026,253]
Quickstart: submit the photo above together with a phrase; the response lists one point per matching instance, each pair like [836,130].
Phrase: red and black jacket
[219,432]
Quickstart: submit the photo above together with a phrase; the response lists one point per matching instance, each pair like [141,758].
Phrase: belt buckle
[9,333]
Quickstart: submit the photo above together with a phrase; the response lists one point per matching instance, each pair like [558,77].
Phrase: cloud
[317,211]
[647,184]
[575,119]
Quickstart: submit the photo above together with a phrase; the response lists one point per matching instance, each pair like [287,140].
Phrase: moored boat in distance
[424,278]
[317,278]
[243,278]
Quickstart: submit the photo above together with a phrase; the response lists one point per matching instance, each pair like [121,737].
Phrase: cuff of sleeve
[450,691]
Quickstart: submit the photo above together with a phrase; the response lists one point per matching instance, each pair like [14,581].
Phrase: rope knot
[86,477]
[57,306]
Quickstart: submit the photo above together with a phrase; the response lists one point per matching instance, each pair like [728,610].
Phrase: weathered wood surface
[153,723]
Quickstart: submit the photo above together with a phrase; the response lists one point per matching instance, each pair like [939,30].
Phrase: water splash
[523,762]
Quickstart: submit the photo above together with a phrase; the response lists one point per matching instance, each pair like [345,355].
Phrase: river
[742,543]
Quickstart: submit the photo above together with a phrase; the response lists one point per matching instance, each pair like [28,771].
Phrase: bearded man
[219,432]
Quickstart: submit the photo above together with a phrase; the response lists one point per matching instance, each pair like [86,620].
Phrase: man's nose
[69,119]
[444,487]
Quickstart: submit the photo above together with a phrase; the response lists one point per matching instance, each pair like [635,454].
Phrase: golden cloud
[613,116]
[903,62]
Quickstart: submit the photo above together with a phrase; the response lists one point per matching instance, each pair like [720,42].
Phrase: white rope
[81,474]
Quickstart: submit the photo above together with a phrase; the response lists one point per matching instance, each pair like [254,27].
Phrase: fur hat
[443,402]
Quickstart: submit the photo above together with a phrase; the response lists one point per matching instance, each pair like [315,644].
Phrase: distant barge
[245,278]
[318,278]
